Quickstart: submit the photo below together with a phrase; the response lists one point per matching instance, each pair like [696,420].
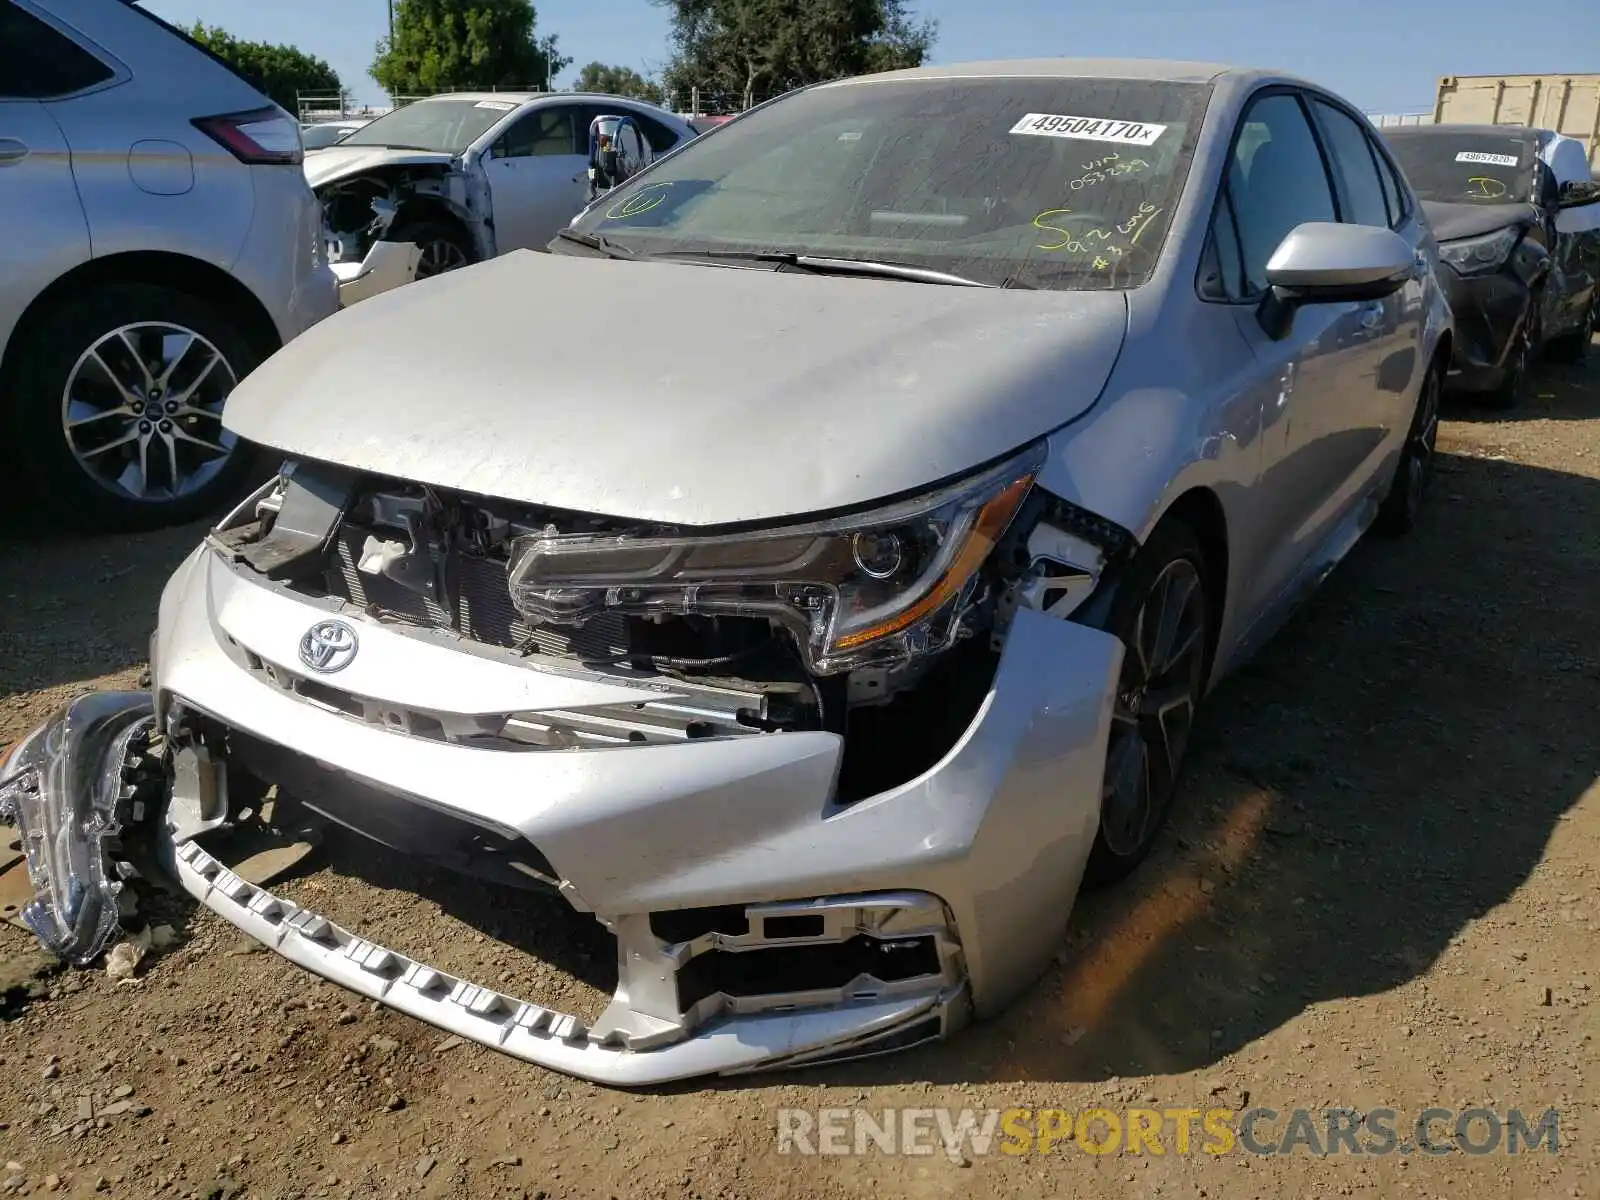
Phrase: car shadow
[1555,391]
[1388,769]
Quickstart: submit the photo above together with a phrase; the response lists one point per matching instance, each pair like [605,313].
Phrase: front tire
[1574,347]
[118,408]
[1519,362]
[1162,613]
[445,246]
[1403,505]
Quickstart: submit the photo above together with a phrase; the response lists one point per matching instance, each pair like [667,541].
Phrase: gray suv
[160,241]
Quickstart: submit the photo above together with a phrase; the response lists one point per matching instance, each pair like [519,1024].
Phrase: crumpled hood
[677,393]
[1452,221]
[340,162]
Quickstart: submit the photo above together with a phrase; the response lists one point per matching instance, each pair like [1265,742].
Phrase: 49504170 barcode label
[1090,129]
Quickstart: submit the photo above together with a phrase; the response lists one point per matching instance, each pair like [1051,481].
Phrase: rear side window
[1362,190]
[37,63]
[1393,192]
[660,137]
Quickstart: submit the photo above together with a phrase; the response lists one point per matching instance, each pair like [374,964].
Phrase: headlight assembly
[1480,255]
[871,589]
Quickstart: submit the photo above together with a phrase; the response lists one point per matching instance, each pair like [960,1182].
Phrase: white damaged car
[451,180]
[819,661]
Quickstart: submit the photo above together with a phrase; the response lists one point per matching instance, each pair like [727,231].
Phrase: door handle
[12,152]
[1372,316]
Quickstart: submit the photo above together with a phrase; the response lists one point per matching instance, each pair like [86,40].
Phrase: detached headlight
[1480,255]
[865,590]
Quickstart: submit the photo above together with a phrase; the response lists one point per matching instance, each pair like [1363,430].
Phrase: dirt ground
[1382,890]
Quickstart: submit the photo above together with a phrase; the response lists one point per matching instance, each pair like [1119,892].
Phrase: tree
[442,44]
[280,71]
[756,48]
[618,81]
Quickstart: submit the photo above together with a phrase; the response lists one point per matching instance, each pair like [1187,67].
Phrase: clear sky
[1382,55]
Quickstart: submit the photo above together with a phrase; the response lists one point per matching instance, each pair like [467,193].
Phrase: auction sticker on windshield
[1476,156]
[497,105]
[1091,129]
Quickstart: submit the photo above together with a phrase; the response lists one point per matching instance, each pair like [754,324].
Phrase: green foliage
[758,48]
[618,81]
[443,44]
[279,71]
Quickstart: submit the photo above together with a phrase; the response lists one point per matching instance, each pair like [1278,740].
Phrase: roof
[505,97]
[530,97]
[1168,70]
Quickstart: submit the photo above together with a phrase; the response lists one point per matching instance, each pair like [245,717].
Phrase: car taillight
[263,135]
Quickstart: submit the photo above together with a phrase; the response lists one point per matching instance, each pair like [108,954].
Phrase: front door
[1276,180]
[538,179]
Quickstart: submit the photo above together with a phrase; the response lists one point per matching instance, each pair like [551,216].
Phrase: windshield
[1466,168]
[1062,183]
[320,137]
[446,126]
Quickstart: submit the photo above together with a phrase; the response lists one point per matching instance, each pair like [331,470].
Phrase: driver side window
[1274,180]
[544,131]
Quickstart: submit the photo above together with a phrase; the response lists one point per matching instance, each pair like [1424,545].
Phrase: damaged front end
[830,786]
[387,225]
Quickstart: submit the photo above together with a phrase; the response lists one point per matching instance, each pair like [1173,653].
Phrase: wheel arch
[157,268]
[1201,510]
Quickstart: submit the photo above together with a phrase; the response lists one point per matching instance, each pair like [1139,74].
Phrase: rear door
[538,179]
[45,233]
[1383,366]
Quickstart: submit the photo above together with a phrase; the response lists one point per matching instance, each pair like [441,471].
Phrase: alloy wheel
[1157,693]
[439,256]
[1422,443]
[142,411]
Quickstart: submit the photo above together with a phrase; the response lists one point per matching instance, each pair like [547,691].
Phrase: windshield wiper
[822,265]
[595,241]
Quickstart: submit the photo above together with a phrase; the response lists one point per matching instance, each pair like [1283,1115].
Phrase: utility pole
[391,22]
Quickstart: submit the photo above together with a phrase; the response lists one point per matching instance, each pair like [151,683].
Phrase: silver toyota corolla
[821,658]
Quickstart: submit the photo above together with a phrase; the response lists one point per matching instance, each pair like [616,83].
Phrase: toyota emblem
[328,646]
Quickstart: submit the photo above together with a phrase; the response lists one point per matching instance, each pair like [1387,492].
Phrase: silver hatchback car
[160,241]
[823,658]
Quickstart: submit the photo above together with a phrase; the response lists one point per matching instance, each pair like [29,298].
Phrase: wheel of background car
[1162,615]
[1401,507]
[1520,361]
[118,408]
[444,246]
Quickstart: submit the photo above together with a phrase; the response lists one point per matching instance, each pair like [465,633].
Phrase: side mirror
[1576,193]
[1326,262]
[618,150]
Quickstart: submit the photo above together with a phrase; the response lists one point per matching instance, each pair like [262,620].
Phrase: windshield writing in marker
[1107,245]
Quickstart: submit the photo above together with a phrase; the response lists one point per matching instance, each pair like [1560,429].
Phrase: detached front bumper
[759,922]
[386,266]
